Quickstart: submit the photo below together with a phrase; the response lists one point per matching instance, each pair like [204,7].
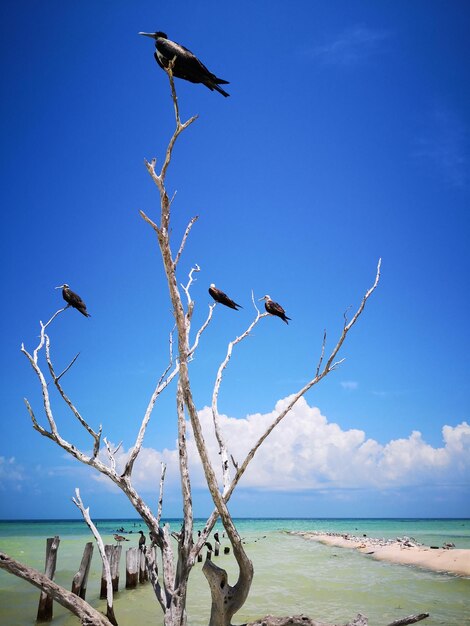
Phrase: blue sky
[345,139]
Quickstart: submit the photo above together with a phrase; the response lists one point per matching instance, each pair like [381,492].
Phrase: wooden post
[132,567]
[45,601]
[216,548]
[114,565]
[113,554]
[199,558]
[226,550]
[143,573]
[80,579]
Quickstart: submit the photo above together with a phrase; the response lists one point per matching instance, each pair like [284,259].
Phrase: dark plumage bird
[142,540]
[274,308]
[220,296]
[73,299]
[186,65]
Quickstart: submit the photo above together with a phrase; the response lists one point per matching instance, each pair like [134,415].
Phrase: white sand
[453,561]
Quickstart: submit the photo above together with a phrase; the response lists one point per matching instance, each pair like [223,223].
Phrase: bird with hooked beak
[185,64]
[73,299]
[274,308]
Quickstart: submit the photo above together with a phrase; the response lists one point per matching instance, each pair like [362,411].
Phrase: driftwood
[45,600]
[85,612]
[303,620]
[80,579]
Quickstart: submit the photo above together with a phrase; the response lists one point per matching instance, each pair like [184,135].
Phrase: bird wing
[74,299]
[170,49]
[276,308]
[187,65]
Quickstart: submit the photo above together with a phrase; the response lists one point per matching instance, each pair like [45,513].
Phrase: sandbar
[402,551]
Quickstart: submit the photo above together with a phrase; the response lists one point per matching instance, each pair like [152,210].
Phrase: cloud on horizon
[307,452]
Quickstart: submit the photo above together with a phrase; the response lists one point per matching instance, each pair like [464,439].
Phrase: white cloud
[307,452]
[10,472]
[351,47]
[349,385]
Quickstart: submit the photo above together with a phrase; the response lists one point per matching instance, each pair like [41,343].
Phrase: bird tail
[219,89]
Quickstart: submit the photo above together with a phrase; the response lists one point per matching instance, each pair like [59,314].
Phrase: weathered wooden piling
[226,550]
[133,556]
[216,548]
[199,558]
[45,601]
[143,573]
[80,579]
[113,554]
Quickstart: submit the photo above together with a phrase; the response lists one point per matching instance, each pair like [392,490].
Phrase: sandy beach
[404,551]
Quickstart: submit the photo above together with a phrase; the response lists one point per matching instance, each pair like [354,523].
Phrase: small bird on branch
[185,64]
[73,299]
[142,540]
[220,296]
[274,308]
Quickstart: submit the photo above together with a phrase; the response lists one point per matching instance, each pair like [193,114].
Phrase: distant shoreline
[403,551]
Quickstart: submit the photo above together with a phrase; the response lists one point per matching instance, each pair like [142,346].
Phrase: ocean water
[292,575]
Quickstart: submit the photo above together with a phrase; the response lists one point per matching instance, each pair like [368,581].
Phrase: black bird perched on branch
[186,65]
[73,299]
[274,308]
[142,540]
[220,296]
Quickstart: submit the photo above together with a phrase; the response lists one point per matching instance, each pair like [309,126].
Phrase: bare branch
[148,220]
[185,236]
[318,377]
[186,288]
[160,498]
[322,354]
[215,394]
[68,367]
[411,619]
[161,386]
[43,328]
[112,453]
[109,583]
[201,330]
[96,435]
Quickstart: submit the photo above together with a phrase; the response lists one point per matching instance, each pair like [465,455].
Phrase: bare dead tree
[171,584]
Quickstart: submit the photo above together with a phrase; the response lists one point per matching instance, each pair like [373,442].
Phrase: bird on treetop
[220,296]
[185,65]
[274,308]
[73,299]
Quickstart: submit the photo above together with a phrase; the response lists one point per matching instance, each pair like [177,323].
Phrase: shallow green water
[292,574]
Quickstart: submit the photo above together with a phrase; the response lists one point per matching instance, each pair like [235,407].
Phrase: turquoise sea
[292,575]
